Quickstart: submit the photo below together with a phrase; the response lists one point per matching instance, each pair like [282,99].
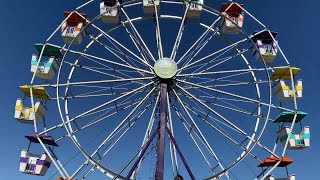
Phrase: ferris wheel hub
[165,68]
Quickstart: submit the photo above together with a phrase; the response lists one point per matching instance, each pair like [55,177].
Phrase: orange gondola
[271,161]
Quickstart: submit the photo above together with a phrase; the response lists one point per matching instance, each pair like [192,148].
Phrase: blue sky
[25,23]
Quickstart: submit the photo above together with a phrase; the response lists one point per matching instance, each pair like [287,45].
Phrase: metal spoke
[238,96]
[109,102]
[103,116]
[148,132]
[231,46]
[158,33]
[133,121]
[219,61]
[200,133]
[94,82]
[179,35]
[112,41]
[173,151]
[137,45]
[233,127]
[199,40]
[123,122]
[190,129]
[213,54]
[223,72]
[198,49]
[114,52]
[137,33]
[101,59]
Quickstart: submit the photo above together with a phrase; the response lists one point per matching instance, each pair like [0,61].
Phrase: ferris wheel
[161,90]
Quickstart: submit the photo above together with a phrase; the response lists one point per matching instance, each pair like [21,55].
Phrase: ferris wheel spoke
[202,44]
[221,81]
[119,89]
[118,52]
[101,59]
[189,129]
[88,96]
[241,132]
[158,33]
[137,45]
[117,106]
[207,114]
[198,41]
[216,127]
[233,127]
[172,148]
[94,82]
[148,132]
[133,121]
[218,61]
[237,96]
[218,52]
[113,41]
[93,69]
[234,83]
[179,35]
[213,111]
[96,120]
[109,102]
[137,34]
[230,106]
[223,72]
[104,117]
[213,81]
[227,48]
[114,68]
[107,114]
[108,74]
[111,69]
[198,49]
[136,118]
[126,120]
[200,132]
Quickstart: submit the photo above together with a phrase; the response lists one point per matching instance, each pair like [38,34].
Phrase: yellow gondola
[284,73]
[37,92]
[281,89]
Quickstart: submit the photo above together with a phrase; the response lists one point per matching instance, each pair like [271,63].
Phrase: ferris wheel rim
[140,18]
[247,153]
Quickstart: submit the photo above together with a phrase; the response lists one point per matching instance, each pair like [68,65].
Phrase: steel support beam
[162,131]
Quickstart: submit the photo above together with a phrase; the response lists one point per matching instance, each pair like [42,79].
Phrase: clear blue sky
[25,23]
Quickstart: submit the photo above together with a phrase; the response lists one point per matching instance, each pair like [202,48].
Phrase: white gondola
[265,48]
[286,93]
[45,70]
[148,6]
[234,13]
[109,11]
[296,140]
[34,164]
[291,177]
[27,114]
[195,8]
[73,30]
[267,51]
[72,34]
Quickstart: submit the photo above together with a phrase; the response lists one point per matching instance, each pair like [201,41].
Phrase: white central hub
[165,68]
